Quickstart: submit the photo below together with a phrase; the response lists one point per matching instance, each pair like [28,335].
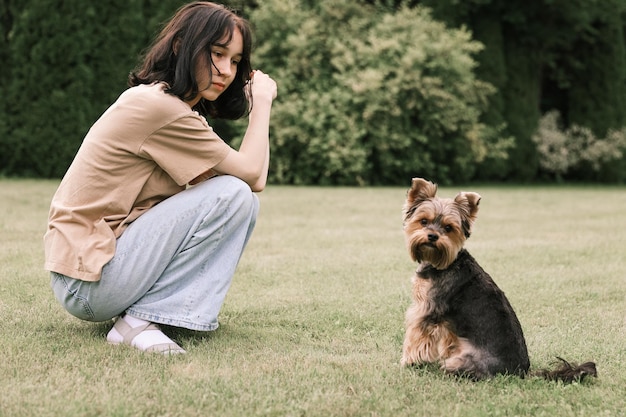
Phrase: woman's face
[225,57]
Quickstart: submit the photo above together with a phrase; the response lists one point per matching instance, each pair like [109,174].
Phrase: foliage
[371,91]
[563,151]
[68,62]
[549,54]
[372,101]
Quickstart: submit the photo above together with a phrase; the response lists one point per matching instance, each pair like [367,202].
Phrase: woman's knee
[240,197]
[66,291]
[246,199]
[73,295]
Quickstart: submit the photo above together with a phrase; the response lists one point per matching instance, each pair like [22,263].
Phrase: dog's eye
[423,222]
[448,228]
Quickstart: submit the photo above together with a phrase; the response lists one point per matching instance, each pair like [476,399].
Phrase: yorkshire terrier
[459,317]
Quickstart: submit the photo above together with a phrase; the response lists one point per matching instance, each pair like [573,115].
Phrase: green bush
[371,101]
[68,62]
[563,151]
[370,91]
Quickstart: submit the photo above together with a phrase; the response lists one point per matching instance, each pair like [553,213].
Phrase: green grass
[313,323]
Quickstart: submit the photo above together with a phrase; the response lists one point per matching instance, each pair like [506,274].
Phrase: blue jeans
[175,263]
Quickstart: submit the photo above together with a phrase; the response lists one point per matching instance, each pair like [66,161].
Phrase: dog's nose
[432,237]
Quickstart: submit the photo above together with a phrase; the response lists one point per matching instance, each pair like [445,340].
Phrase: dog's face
[436,228]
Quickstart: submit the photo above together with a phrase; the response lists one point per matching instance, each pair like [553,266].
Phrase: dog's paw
[405,362]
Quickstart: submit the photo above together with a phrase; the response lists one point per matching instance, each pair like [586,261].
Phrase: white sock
[143,340]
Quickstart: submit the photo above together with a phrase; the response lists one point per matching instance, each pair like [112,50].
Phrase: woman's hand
[262,87]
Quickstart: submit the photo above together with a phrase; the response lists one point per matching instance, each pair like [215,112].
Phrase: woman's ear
[176,46]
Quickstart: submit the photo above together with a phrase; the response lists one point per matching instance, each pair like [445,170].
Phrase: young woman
[152,216]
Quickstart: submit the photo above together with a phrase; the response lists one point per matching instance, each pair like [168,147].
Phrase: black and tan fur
[459,317]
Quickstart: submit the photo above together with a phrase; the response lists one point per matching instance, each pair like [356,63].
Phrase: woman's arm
[260,184]
[251,162]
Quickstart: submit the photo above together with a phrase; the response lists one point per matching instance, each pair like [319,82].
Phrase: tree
[69,60]
[564,55]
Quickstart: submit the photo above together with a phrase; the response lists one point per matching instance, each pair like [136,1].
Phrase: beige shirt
[145,148]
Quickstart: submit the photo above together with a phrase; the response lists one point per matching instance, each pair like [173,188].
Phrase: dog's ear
[420,190]
[470,201]
[469,204]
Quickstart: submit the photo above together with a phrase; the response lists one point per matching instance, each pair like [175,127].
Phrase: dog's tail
[568,372]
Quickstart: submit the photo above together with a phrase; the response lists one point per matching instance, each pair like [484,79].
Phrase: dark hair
[174,53]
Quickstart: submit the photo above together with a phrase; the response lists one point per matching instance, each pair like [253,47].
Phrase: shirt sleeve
[185,148]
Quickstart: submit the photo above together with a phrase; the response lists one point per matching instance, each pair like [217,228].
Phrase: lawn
[313,323]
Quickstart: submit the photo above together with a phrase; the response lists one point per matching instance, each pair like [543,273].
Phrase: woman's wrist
[261,109]
[262,101]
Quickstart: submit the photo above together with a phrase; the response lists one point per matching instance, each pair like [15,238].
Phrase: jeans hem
[173,322]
